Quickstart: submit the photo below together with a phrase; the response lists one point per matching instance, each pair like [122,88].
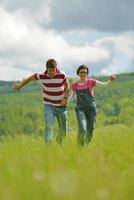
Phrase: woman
[86,106]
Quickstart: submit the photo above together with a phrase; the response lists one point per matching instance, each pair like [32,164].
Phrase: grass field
[31,170]
[104,170]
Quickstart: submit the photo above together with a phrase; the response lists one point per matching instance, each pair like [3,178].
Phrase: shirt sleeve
[65,76]
[65,79]
[92,82]
[39,76]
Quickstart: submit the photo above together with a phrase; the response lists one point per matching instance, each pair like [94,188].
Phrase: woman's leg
[91,120]
[82,125]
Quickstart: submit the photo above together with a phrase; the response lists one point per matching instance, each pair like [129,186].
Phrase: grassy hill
[104,170]
[114,104]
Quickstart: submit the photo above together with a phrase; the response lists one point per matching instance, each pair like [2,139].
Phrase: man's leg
[82,126]
[61,114]
[49,122]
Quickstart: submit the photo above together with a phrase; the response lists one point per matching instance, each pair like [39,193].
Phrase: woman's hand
[113,77]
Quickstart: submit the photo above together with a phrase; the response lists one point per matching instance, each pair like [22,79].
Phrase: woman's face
[83,73]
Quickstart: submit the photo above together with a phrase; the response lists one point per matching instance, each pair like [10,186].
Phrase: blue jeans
[86,117]
[50,112]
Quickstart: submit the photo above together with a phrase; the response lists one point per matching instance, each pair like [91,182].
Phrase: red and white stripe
[53,88]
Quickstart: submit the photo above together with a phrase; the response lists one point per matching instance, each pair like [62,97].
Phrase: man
[55,94]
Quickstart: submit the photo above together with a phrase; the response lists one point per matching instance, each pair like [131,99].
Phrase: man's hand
[24,82]
[113,77]
[63,102]
[17,86]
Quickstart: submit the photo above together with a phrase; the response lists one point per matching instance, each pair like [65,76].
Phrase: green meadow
[32,170]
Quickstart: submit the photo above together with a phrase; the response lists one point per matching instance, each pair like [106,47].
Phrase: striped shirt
[53,88]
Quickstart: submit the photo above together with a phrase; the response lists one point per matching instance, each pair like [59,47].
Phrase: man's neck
[51,76]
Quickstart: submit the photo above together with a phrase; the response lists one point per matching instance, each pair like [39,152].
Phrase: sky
[99,34]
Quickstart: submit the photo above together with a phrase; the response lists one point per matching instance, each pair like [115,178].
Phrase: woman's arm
[72,96]
[112,78]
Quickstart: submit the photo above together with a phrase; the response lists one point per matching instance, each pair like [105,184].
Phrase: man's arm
[66,89]
[24,82]
[66,92]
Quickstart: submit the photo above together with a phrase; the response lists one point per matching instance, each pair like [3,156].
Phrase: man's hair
[82,67]
[51,63]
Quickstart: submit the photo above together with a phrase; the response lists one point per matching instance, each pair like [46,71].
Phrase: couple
[55,97]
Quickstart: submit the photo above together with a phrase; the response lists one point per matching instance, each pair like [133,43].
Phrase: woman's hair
[82,67]
[51,63]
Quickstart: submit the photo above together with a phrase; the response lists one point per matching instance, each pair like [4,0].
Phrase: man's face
[51,71]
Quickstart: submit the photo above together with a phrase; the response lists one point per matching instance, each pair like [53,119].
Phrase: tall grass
[29,169]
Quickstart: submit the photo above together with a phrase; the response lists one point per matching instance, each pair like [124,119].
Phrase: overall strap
[76,85]
[88,81]
[89,86]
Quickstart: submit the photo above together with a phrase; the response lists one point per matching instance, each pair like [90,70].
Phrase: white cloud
[28,45]
[12,29]
[123,43]
[121,49]
[25,47]
[35,10]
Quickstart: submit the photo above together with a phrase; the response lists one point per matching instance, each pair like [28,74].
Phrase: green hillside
[22,111]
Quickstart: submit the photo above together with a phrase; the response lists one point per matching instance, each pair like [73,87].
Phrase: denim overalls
[86,114]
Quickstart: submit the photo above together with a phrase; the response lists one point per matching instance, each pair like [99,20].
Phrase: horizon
[75,77]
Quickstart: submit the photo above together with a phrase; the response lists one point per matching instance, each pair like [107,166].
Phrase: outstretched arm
[24,82]
[112,78]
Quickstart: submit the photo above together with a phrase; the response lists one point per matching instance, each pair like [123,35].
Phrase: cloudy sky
[98,33]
